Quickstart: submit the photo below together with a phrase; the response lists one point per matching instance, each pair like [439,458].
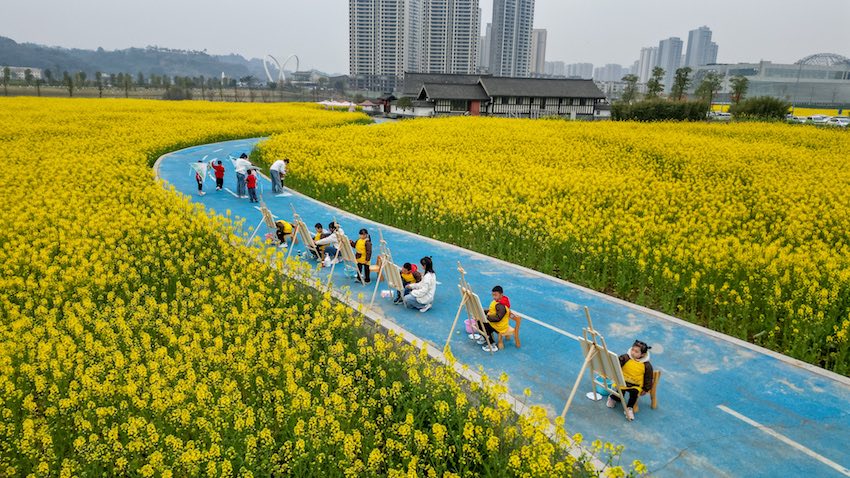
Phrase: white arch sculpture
[281,78]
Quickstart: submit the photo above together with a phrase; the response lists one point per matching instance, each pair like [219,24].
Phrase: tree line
[176,87]
[676,106]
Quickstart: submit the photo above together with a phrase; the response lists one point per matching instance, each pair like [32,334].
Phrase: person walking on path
[251,182]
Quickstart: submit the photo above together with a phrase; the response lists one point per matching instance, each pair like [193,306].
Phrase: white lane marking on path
[205,157]
[231,192]
[258,209]
[550,327]
[217,150]
[784,439]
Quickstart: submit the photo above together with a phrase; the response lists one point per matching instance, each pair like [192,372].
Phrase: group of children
[420,287]
[246,177]
[420,284]
[637,369]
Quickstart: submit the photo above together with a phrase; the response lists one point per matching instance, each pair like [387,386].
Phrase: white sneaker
[284,246]
[610,403]
[490,348]
[630,414]
[474,336]
[425,309]
[201,193]
[481,341]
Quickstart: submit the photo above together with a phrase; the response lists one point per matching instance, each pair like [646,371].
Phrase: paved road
[727,408]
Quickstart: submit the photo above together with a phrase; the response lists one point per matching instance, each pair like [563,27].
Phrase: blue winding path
[714,394]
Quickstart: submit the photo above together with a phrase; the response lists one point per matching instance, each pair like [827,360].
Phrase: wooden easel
[344,252]
[599,362]
[474,309]
[267,219]
[387,269]
[302,232]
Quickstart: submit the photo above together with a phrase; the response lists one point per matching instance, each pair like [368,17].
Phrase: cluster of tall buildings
[670,54]
[390,37]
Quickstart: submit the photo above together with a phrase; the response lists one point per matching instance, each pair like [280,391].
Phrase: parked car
[817,119]
[841,121]
[795,119]
[719,115]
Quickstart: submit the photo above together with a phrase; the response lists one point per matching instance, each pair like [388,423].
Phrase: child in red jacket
[251,182]
[219,175]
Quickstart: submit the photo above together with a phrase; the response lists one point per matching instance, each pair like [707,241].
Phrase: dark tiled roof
[541,87]
[435,91]
[413,82]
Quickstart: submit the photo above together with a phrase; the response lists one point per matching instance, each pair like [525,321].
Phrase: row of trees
[676,106]
[178,87]
[708,87]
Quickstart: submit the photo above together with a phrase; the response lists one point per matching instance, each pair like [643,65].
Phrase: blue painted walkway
[725,408]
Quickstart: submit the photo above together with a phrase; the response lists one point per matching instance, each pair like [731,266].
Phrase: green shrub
[760,108]
[659,110]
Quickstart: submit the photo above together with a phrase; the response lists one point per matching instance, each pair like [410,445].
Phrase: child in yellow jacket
[638,374]
[363,253]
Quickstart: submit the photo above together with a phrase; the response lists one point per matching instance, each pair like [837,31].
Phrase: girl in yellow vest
[497,319]
[638,374]
[363,254]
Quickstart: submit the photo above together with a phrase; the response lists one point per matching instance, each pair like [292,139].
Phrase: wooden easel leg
[333,266]
[578,380]
[652,392]
[454,324]
[289,252]
[377,286]
[251,238]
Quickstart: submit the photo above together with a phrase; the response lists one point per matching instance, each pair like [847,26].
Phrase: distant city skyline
[599,32]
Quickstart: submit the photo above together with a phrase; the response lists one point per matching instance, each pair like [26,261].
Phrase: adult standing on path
[241,166]
[278,172]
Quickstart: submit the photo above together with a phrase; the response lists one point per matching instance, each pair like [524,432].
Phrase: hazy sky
[595,31]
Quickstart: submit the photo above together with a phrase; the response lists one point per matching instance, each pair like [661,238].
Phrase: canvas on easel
[302,233]
[345,253]
[387,269]
[602,365]
[474,310]
[267,219]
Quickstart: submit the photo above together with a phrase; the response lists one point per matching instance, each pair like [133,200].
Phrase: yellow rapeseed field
[739,227]
[136,340]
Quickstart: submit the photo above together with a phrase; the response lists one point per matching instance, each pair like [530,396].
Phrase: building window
[460,105]
[520,100]
[503,100]
[542,103]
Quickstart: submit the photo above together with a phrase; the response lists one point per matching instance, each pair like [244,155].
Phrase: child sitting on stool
[638,374]
[497,319]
